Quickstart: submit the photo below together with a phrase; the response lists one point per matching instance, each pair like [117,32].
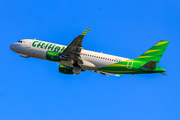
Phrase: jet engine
[53,56]
[65,69]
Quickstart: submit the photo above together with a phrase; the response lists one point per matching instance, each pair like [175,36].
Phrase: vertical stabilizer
[155,53]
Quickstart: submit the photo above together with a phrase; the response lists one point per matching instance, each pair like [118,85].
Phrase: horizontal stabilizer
[149,65]
[105,73]
[163,74]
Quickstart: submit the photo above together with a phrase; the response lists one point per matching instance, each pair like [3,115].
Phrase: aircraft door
[130,64]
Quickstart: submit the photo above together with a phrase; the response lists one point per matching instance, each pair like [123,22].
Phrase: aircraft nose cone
[12,47]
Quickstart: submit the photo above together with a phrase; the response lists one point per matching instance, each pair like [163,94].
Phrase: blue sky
[33,89]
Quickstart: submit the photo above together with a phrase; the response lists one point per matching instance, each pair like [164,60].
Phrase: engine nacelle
[53,56]
[65,69]
[87,64]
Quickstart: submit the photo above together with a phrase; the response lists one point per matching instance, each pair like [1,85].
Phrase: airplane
[73,59]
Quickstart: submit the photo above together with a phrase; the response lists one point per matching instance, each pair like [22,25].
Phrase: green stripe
[154,53]
[84,33]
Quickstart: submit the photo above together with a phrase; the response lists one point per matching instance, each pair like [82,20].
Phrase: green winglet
[84,33]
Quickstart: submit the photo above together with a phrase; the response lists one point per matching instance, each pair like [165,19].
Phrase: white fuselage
[92,60]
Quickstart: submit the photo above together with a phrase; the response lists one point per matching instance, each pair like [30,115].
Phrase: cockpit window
[20,41]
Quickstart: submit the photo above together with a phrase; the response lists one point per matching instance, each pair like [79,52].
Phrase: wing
[73,50]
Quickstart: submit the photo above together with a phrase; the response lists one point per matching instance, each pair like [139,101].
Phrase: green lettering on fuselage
[33,44]
[42,45]
[46,46]
[39,44]
[57,48]
[53,47]
[62,49]
[49,46]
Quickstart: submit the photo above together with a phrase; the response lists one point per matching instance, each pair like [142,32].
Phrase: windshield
[20,41]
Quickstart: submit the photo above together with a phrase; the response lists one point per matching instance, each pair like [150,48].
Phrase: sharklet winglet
[84,33]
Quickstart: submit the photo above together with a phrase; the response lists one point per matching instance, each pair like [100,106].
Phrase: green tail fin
[155,53]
